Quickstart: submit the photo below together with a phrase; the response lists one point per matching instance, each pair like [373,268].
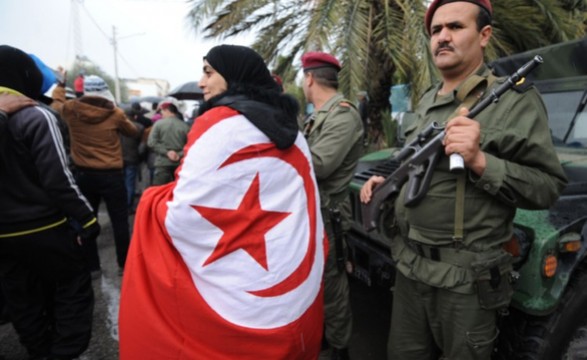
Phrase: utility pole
[116,80]
[114,42]
[77,31]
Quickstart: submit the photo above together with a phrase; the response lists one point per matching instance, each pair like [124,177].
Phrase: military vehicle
[547,318]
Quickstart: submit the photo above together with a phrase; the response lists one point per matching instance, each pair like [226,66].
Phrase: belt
[450,255]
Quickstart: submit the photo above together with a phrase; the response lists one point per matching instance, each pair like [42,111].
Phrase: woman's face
[212,83]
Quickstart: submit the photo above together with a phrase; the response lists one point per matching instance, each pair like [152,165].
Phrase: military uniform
[439,277]
[334,134]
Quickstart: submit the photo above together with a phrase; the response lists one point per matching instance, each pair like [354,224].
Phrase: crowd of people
[61,156]
[238,250]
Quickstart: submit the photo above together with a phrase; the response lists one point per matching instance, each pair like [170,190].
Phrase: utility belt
[336,223]
[335,218]
[492,270]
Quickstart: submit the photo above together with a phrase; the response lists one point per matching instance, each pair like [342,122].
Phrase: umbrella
[150,99]
[188,91]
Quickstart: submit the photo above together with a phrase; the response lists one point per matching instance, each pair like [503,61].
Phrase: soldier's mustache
[442,47]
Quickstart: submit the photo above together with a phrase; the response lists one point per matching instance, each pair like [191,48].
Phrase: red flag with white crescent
[226,262]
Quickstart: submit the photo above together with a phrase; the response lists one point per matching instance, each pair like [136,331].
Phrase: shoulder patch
[345,104]
[523,85]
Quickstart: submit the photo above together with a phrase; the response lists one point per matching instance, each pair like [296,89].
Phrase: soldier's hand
[172,155]
[367,189]
[462,136]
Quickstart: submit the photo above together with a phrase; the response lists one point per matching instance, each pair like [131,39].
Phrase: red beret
[316,59]
[277,79]
[486,4]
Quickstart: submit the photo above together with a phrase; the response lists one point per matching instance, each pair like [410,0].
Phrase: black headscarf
[18,71]
[240,64]
[253,92]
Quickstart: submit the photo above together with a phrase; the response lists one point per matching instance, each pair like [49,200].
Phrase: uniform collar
[436,100]
[330,103]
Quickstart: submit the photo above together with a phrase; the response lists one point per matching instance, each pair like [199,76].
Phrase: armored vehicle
[547,317]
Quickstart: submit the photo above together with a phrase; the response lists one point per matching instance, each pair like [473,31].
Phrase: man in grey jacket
[167,139]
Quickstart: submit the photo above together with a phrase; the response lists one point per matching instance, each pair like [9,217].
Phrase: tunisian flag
[226,262]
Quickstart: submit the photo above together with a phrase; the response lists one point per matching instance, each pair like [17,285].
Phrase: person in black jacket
[8,105]
[43,275]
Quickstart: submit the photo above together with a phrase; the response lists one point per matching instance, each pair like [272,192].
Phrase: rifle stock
[419,158]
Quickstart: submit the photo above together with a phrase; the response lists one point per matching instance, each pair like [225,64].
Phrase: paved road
[371,311]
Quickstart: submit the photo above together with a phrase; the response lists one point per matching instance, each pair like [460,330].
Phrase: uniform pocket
[492,280]
[479,342]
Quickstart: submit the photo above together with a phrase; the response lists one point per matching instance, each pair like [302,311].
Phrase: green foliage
[378,41]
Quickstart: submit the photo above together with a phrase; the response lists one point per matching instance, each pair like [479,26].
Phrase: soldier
[166,140]
[453,274]
[334,132]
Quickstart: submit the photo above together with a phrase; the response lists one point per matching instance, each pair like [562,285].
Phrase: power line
[95,22]
[112,40]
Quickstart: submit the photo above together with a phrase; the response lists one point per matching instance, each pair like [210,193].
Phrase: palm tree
[379,42]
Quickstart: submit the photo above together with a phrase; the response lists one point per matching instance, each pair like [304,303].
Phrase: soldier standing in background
[334,132]
[167,139]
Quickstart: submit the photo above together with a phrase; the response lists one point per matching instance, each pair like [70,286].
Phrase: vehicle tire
[560,335]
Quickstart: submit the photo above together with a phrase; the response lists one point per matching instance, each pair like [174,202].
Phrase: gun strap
[459,211]
[468,94]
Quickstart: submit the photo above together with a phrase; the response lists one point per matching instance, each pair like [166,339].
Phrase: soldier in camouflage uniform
[334,132]
[453,271]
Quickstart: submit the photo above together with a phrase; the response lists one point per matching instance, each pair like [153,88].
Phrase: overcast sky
[154,40]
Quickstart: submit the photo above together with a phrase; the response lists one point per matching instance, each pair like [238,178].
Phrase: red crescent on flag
[296,158]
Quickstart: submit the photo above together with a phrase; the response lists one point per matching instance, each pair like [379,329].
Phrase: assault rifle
[419,157]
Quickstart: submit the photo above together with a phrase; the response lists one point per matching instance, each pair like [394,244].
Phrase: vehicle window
[561,107]
[578,136]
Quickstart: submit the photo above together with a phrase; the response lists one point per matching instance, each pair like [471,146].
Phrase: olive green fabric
[334,134]
[168,134]
[440,305]
[338,320]
[424,316]
[164,174]
[522,171]
[334,139]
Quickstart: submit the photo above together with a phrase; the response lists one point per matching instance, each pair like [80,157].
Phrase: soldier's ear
[309,78]
[485,35]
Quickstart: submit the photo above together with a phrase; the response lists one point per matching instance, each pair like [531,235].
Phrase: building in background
[142,87]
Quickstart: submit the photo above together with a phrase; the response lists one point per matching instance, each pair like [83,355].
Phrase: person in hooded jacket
[43,275]
[9,104]
[95,123]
